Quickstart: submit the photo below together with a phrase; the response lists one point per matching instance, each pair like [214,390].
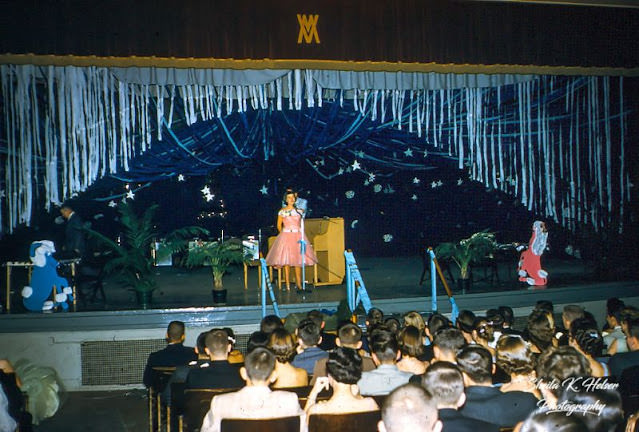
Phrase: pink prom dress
[286,247]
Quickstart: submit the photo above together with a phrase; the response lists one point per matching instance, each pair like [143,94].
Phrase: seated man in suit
[182,371]
[409,408]
[445,383]
[483,400]
[621,361]
[255,400]
[216,373]
[554,367]
[328,339]
[387,377]
[174,354]
[308,352]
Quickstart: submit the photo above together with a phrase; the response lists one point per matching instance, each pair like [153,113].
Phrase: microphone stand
[302,243]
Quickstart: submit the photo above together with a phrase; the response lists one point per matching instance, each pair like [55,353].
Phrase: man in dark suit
[74,236]
[444,381]
[217,372]
[174,354]
[485,402]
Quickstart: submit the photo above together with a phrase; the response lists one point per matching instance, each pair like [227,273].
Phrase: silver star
[359,154]
[180,177]
[205,190]
[416,180]
[366,182]
[425,153]
[459,182]
[414,197]
[340,171]
[433,185]
[355,165]
[112,204]
[130,195]
[209,197]
[3,194]
[264,190]
[408,152]
[371,177]
[440,183]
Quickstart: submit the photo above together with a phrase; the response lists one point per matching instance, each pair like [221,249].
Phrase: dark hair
[514,355]
[411,341]
[544,305]
[175,331]
[349,334]
[258,339]
[283,345]
[484,330]
[585,333]
[270,323]
[217,341]
[309,332]
[476,362]
[465,321]
[572,312]
[259,364]
[374,317]
[384,345]
[495,320]
[540,331]
[581,395]
[437,322]
[507,313]
[444,381]
[407,406]
[558,363]
[344,365]
[542,420]
[200,343]
[614,306]
[633,328]
[229,331]
[449,339]
[393,324]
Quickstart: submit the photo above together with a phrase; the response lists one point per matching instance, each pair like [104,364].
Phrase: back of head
[409,408]
[350,335]
[392,324]
[259,364]
[587,336]
[544,305]
[256,340]
[477,363]
[283,345]
[495,319]
[309,332]
[540,330]
[572,312]
[613,304]
[633,328]
[217,342]
[200,344]
[599,408]
[344,365]
[374,317]
[316,316]
[465,321]
[507,314]
[415,319]
[384,345]
[449,340]
[514,356]
[552,421]
[444,381]
[558,363]
[483,329]
[437,322]
[411,341]
[270,323]
[175,331]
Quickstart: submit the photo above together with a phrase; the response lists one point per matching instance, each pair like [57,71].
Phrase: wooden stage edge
[251,315]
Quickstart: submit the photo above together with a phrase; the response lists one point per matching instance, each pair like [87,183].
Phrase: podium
[327,237]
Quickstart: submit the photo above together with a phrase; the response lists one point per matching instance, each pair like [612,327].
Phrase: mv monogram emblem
[308,28]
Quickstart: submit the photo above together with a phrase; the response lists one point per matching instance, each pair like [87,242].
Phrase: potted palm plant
[130,259]
[220,256]
[466,252]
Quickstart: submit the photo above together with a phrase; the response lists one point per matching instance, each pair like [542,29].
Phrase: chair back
[303,392]
[196,403]
[282,424]
[352,422]
[160,377]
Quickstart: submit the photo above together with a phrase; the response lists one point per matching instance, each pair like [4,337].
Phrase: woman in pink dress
[285,251]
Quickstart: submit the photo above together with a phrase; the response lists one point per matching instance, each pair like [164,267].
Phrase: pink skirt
[286,251]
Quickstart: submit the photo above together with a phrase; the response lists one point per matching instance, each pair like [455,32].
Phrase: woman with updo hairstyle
[283,345]
[515,358]
[483,334]
[344,369]
[586,338]
[414,318]
[541,331]
[411,345]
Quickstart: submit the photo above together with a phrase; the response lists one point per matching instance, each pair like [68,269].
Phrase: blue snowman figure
[44,279]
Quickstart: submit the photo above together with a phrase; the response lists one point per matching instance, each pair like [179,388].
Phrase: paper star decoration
[414,197]
[209,197]
[366,182]
[205,190]
[408,152]
[416,180]
[459,182]
[440,183]
[264,190]
[112,204]
[130,195]
[433,184]
[3,194]
[425,153]
[340,171]
[371,177]
[359,154]
[180,177]
[355,165]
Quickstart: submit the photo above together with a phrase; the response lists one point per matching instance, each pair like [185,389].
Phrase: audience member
[409,408]
[628,313]
[621,361]
[598,407]
[235,356]
[7,423]
[174,354]
[613,332]
[258,339]
[393,325]
[542,420]
[569,314]
[446,343]
[344,369]
[256,400]
[217,372]
[483,334]
[435,323]
[414,318]
[270,323]
[540,331]
[585,338]
[283,345]
[515,359]
[386,376]
[308,352]
[509,320]
[466,322]
[485,402]
[374,318]
[411,345]
[182,371]
[556,365]
[496,321]
[444,381]
[328,339]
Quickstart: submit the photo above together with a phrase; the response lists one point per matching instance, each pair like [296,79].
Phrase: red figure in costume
[530,270]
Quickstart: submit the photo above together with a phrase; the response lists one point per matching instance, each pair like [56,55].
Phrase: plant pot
[219,296]
[463,285]
[144,298]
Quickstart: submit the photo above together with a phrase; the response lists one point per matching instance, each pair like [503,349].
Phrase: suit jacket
[307,358]
[252,402]
[215,375]
[621,361]
[453,421]
[382,380]
[491,405]
[173,355]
